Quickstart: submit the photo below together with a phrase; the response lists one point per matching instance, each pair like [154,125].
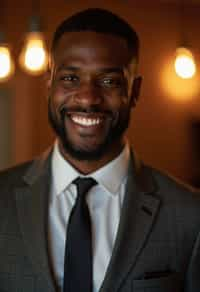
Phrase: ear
[136,90]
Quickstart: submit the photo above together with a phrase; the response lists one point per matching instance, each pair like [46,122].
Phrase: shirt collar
[110,176]
[63,173]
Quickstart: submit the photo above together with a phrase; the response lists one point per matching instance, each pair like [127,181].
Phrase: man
[135,229]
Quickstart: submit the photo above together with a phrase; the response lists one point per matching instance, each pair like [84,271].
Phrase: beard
[113,135]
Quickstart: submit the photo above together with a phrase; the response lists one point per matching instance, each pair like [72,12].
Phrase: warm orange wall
[159,130]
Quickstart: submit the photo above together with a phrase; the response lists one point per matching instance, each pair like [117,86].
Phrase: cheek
[124,101]
[62,95]
[57,98]
[123,94]
[117,103]
[54,104]
[120,100]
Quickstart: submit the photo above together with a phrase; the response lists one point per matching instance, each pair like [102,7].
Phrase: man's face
[90,94]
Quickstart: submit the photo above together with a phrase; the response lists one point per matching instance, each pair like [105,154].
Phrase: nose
[88,94]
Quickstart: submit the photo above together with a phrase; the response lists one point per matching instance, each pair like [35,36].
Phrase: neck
[88,166]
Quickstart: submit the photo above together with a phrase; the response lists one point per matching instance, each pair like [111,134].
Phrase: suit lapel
[32,207]
[137,216]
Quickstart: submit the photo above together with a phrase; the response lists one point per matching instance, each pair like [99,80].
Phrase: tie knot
[84,185]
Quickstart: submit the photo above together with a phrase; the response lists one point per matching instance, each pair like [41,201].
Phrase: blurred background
[165,127]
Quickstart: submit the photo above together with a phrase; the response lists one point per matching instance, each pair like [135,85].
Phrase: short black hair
[98,20]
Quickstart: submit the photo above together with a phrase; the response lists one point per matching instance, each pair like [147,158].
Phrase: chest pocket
[170,283]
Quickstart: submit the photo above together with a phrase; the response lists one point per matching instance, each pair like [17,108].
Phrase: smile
[85,121]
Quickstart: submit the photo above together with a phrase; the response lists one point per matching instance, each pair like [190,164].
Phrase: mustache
[89,110]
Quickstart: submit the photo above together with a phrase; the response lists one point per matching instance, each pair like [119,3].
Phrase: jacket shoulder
[164,179]
[174,190]
[13,175]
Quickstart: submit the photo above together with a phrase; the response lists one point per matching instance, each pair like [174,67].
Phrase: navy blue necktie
[78,248]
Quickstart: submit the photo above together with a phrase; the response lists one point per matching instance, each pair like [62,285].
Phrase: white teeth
[85,121]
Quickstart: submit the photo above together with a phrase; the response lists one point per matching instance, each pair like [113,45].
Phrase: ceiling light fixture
[184,63]
[34,56]
[6,62]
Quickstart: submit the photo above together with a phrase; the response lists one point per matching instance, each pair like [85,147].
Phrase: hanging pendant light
[185,66]
[184,63]
[34,57]
[6,62]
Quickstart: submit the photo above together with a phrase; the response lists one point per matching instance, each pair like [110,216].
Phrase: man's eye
[69,78]
[110,82]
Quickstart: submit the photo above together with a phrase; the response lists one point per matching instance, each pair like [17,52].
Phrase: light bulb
[34,56]
[184,63]
[6,64]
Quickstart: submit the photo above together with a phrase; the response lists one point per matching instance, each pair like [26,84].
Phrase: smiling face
[91,95]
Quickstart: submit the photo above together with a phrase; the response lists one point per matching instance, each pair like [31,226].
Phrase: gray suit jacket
[157,245]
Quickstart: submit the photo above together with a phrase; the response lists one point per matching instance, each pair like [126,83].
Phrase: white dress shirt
[104,201]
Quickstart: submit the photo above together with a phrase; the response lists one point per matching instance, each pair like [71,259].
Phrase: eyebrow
[101,70]
[68,68]
[112,70]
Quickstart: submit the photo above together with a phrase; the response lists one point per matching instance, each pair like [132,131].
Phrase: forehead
[91,48]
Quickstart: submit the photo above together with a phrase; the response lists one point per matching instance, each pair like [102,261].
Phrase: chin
[85,153]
